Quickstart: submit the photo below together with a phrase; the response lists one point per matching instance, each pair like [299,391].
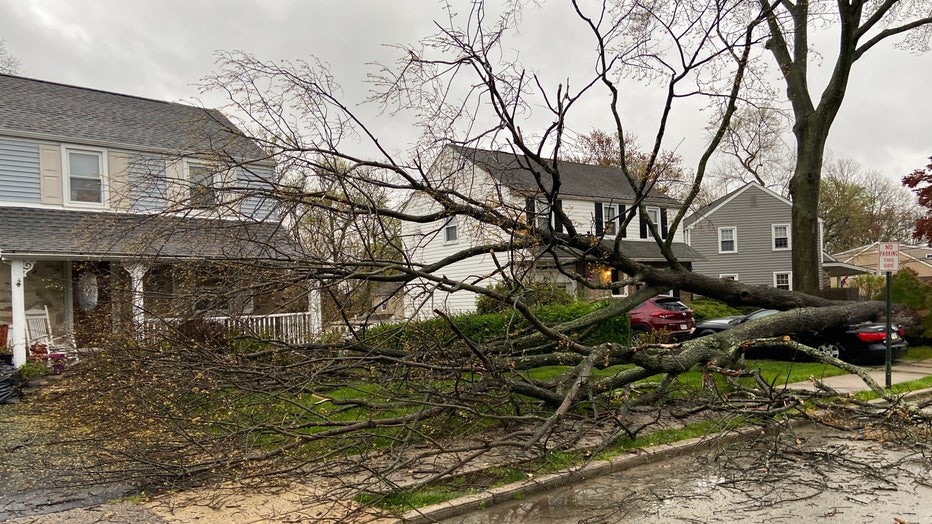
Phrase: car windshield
[671,304]
[760,313]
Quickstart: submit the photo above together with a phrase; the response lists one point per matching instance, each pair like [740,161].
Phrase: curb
[592,469]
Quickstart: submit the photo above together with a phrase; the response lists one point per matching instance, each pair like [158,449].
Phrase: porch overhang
[843,269]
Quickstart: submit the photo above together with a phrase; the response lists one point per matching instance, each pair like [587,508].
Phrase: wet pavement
[827,478]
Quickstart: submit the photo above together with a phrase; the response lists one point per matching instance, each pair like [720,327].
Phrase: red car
[662,312]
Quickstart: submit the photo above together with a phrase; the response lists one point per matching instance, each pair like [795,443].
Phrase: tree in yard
[601,149]
[858,208]
[368,411]
[860,26]
[920,181]
[9,64]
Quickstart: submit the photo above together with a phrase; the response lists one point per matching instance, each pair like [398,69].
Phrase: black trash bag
[9,392]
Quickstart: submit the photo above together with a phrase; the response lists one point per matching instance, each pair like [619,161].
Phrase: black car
[861,343]
[715,325]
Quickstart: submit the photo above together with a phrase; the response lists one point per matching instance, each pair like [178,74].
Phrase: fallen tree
[364,412]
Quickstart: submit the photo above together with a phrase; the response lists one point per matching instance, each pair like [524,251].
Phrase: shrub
[705,308]
[31,370]
[437,334]
[533,294]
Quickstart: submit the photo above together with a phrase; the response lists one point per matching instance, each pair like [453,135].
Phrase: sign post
[888,254]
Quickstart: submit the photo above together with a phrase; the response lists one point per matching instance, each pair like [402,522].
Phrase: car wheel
[637,333]
[705,332]
[830,349]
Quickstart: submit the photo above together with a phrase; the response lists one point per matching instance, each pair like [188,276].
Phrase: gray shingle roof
[89,116]
[643,251]
[55,233]
[582,180]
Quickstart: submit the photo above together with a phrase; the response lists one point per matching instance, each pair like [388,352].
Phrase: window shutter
[529,211]
[557,223]
[598,219]
[643,220]
[50,173]
[621,220]
[663,223]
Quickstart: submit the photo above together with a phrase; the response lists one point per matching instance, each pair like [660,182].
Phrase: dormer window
[202,190]
[84,176]
[450,232]
[610,219]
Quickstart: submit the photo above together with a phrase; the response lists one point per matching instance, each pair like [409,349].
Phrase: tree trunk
[804,189]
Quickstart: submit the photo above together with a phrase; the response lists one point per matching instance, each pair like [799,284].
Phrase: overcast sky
[161,48]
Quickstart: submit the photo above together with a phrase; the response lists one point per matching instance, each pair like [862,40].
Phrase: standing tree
[859,207]
[860,26]
[9,64]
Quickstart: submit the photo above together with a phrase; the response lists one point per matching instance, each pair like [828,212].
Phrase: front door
[92,302]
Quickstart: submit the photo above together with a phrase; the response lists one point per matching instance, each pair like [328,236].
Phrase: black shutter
[557,223]
[663,223]
[529,211]
[643,225]
[621,220]
[598,219]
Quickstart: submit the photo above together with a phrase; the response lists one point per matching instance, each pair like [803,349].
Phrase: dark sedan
[861,343]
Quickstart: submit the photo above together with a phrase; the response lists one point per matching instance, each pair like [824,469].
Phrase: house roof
[41,233]
[582,180]
[911,253]
[640,251]
[704,211]
[40,109]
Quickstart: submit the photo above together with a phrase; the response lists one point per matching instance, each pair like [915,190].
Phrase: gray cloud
[161,49]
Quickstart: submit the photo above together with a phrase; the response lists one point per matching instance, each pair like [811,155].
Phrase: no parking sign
[888,256]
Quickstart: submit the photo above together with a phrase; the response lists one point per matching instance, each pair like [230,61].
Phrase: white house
[595,199]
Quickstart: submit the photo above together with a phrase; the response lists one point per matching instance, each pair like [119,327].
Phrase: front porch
[90,303]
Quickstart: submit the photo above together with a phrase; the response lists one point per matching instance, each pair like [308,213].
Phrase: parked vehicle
[716,325]
[662,312]
[861,343]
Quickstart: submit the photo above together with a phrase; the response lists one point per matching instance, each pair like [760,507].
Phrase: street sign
[888,254]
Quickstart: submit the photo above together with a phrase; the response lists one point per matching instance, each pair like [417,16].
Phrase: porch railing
[292,328]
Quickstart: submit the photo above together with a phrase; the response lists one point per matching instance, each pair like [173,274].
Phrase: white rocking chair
[39,334]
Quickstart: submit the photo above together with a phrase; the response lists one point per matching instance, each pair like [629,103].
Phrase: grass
[919,353]
[775,372]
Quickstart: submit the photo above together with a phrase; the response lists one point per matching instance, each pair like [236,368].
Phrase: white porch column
[136,272]
[313,307]
[18,271]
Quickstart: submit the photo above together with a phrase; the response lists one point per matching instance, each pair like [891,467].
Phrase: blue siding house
[113,207]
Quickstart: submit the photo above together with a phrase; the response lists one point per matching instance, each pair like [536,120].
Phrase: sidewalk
[902,371]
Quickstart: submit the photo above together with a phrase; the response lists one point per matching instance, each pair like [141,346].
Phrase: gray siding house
[105,198]
[745,236]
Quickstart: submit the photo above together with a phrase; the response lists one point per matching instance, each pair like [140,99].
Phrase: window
[610,219]
[450,234]
[727,240]
[543,214]
[85,176]
[730,276]
[781,237]
[201,187]
[782,281]
[653,213]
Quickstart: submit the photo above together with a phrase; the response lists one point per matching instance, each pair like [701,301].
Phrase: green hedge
[706,308]
[436,334]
